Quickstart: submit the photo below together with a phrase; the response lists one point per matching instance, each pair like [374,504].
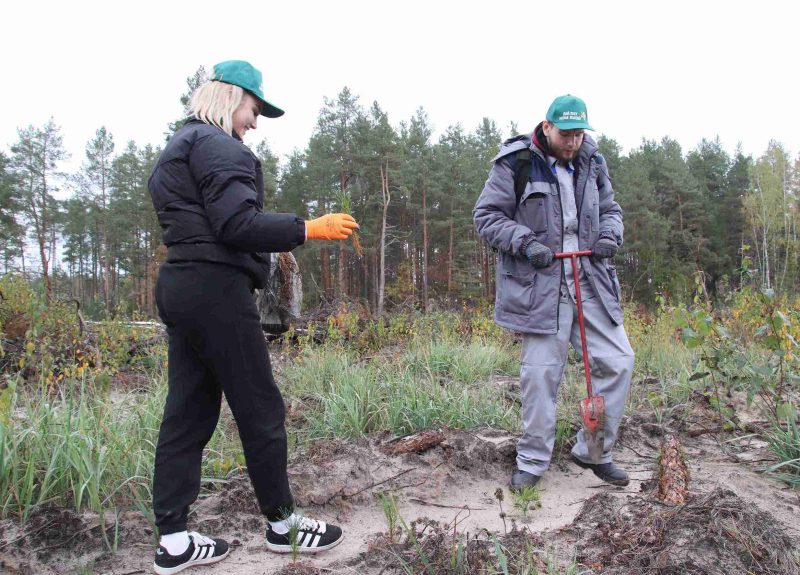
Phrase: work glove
[331,227]
[604,248]
[540,255]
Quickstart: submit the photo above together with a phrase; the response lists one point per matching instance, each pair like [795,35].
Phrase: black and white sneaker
[312,537]
[202,551]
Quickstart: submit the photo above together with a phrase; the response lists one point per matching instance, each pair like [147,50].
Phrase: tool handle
[562,255]
[574,257]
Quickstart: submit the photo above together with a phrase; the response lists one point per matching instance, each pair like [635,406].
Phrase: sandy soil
[454,482]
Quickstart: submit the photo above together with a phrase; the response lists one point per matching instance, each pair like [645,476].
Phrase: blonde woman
[207,189]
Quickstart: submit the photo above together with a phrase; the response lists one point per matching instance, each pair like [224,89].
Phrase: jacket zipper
[561,272]
[586,183]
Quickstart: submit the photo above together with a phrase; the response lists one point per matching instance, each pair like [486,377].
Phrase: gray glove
[604,248]
[540,255]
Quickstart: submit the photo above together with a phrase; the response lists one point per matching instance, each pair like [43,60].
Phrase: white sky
[684,69]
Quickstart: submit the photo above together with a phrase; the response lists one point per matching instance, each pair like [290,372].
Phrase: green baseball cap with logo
[243,74]
[568,113]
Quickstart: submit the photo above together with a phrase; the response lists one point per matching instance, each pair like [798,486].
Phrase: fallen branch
[371,486]
[417,484]
[416,443]
[428,503]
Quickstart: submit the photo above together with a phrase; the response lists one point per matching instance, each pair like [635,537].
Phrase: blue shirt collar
[552,161]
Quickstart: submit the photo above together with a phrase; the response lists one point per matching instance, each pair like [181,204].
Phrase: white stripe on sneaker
[315,541]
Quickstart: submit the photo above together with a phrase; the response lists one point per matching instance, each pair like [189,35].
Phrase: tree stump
[673,474]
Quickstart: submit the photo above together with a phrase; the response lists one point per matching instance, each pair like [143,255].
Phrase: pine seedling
[527,498]
[389,506]
[294,531]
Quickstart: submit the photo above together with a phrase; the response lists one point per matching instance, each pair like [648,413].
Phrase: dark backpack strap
[522,171]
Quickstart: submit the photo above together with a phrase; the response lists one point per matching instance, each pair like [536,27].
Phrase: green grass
[83,444]
[75,448]
[784,442]
[428,386]
[459,362]
[79,448]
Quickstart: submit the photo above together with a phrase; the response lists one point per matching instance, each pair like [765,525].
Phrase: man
[551,192]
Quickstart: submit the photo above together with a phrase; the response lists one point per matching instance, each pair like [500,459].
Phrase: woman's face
[246,115]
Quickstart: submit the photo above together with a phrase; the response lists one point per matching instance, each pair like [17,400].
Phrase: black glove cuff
[608,235]
[526,241]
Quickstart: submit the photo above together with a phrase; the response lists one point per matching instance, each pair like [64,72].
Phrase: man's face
[245,116]
[564,144]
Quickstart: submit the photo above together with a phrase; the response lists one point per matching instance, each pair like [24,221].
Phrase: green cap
[568,113]
[243,74]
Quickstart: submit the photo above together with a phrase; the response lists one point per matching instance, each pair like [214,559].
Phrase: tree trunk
[450,261]
[106,266]
[342,284]
[325,273]
[425,247]
[40,222]
[22,250]
[382,250]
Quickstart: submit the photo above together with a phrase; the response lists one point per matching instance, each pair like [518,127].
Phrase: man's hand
[604,248]
[331,227]
[540,255]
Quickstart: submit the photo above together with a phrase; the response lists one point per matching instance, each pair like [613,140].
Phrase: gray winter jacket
[527,298]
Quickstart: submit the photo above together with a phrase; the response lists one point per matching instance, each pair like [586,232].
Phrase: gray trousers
[543,359]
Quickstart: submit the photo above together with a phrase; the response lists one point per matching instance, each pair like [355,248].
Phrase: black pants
[215,345]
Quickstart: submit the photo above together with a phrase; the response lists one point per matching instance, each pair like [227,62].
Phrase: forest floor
[737,519]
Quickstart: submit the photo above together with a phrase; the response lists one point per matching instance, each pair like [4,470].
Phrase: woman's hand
[331,227]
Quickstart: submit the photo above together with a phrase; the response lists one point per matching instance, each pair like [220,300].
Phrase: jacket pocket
[535,205]
[612,274]
[515,293]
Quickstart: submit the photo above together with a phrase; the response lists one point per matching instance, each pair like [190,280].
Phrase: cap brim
[269,110]
[573,126]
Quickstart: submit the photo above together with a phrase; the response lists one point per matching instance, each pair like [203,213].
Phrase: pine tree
[417,174]
[96,172]
[11,230]
[78,245]
[709,164]
[330,157]
[271,169]
[644,259]
[682,203]
[34,162]
[737,184]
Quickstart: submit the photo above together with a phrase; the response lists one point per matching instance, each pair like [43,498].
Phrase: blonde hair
[214,103]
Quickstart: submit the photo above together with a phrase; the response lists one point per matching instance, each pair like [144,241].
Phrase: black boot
[522,479]
[608,472]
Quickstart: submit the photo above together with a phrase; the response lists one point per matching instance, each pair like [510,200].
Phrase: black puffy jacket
[207,189]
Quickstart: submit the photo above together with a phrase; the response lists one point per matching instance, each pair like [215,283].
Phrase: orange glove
[331,227]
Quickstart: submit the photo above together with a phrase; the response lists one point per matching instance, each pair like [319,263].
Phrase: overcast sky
[645,69]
